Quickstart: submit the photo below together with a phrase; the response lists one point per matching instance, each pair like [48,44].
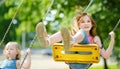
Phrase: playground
[28,31]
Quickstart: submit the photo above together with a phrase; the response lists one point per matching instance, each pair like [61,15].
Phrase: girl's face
[85,23]
[11,51]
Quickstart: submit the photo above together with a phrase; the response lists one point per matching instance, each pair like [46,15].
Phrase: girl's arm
[105,53]
[27,64]
[18,64]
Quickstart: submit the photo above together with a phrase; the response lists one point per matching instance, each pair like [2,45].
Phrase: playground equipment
[79,53]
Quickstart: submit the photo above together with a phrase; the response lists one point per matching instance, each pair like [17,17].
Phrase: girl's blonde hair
[17,48]
[77,21]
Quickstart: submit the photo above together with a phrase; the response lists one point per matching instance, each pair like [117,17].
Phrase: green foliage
[113,66]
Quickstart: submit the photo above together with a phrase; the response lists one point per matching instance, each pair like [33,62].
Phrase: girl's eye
[11,49]
[82,22]
[88,20]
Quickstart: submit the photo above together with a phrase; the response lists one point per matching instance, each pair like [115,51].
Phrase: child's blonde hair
[17,48]
[77,21]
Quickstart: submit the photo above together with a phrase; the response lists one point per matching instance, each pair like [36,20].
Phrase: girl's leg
[79,36]
[70,40]
[55,38]
[44,39]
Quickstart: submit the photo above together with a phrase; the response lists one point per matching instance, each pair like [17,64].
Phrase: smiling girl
[83,32]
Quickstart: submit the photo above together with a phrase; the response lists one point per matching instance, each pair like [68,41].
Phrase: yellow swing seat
[79,53]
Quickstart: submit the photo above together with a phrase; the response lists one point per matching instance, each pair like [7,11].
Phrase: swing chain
[88,6]
[113,30]
[36,35]
[11,23]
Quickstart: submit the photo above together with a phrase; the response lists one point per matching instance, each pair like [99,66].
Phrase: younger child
[12,57]
[83,32]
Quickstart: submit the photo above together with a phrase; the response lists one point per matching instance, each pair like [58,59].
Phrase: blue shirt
[9,64]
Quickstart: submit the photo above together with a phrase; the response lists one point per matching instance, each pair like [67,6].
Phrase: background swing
[19,6]
[32,42]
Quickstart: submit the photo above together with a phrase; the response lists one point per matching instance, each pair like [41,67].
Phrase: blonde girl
[12,57]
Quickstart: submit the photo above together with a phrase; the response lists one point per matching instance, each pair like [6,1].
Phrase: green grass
[102,67]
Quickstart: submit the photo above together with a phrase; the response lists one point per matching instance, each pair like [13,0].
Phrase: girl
[83,31]
[12,57]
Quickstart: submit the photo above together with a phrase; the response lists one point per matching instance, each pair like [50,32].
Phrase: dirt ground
[46,62]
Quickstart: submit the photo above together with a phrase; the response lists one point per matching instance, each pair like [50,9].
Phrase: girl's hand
[28,51]
[111,34]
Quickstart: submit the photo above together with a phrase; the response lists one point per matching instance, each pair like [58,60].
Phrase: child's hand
[111,34]
[28,51]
